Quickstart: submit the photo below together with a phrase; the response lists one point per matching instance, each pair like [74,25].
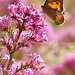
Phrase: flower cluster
[27,19]
[31,18]
[33,63]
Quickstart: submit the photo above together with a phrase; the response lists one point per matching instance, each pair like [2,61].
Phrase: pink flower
[6,58]
[9,72]
[9,42]
[4,21]
[25,72]
[31,17]
[35,61]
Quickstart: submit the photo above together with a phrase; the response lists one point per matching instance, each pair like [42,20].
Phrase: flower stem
[11,56]
[13,52]
[17,71]
[20,30]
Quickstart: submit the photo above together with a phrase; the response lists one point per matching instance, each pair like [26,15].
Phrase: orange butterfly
[54,10]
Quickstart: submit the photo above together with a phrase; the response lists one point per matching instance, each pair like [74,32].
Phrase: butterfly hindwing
[59,18]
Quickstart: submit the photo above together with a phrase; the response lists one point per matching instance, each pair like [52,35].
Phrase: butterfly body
[53,9]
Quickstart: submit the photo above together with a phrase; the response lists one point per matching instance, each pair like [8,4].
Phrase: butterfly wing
[55,15]
[50,13]
[60,5]
[53,9]
[59,18]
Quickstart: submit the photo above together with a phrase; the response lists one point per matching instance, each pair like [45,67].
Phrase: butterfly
[54,10]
